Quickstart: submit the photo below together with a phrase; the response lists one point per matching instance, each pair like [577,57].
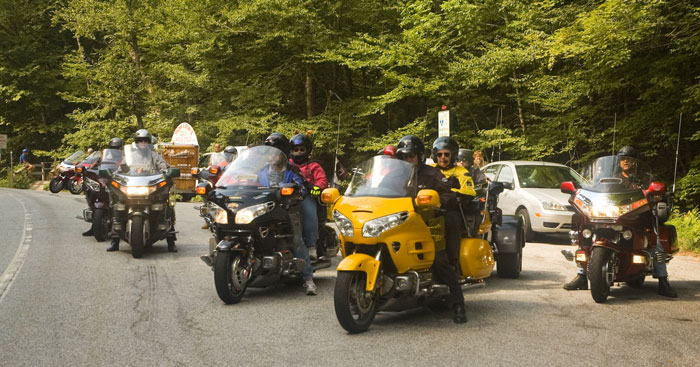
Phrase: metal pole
[335,160]
[614,131]
[12,169]
[678,143]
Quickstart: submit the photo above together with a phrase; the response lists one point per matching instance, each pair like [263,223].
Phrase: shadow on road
[553,238]
[688,291]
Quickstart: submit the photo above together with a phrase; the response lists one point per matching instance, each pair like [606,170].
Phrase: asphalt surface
[71,303]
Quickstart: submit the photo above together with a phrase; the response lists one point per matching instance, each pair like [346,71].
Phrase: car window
[545,177]
[491,171]
[506,175]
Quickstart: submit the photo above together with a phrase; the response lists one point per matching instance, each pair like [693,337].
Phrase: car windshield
[260,166]
[616,173]
[545,177]
[74,158]
[139,160]
[383,176]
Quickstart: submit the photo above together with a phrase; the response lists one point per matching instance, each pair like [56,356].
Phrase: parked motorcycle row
[384,226]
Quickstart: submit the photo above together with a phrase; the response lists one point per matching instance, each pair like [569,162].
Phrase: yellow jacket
[465,180]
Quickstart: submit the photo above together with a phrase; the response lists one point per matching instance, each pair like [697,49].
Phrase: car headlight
[551,205]
[247,215]
[375,227]
[344,224]
[219,214]
[137,191]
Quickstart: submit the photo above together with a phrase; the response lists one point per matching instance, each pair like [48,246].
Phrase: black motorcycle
[141,200]
[254,236]
[99,212]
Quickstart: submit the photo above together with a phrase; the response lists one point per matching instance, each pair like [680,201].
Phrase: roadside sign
[3,141]
[444,123]
[184,135]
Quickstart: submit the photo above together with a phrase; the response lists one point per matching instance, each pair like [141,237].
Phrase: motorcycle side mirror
[287,189]
[427,199]
[195,172]
[105,173]
[568,187]
[172,173]
[79,169]
[203,188]
[329,196]
[656,188]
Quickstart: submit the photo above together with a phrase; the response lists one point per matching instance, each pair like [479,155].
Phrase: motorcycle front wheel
[598,272]
[100,223]
[56,185]
[137,237]
[355,308]
[75,187]
[230,277]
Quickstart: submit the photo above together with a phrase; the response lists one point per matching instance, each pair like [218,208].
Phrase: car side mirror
[427,199]
[329,196]
[105,173]
[508,185]
[568,187]
[496,188]
[172,173]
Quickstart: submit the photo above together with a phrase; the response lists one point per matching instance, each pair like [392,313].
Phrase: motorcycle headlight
[247,215]
[375,227]
[138,191]
[92,184]
[220,214]
[551,205]
[607,211]
[344,224]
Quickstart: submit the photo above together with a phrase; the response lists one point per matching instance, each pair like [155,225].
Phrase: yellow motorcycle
[389,232]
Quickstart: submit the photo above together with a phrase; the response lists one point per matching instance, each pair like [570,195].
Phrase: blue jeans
[300,249]
[309,212]
[659,267]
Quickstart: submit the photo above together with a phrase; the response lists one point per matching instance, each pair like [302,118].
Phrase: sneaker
[312,253]
[310,288]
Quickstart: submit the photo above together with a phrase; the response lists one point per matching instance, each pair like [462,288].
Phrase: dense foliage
[541,79]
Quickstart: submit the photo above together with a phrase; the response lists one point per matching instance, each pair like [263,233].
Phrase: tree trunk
[520,109]
[309,93]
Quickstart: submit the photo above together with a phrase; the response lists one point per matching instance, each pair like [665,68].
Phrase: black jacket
[431,178]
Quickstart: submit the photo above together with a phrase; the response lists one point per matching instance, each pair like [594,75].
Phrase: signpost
[3,144]
[444,122]
[184,135]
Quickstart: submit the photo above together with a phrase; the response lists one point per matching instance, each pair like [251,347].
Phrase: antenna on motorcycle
[678,143]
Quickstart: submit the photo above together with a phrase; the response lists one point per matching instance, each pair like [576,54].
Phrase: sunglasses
[445,154]
[299,150]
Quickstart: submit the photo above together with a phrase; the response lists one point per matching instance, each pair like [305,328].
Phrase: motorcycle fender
[227,246]
[508,236]
[362,262]
[100,205]
[605,244]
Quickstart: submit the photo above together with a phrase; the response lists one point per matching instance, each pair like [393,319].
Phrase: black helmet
[279,141]
[305,141]
[231,150]
[115,143]
[445,142]
[628,151]
[465,155]
[143,134]
[410,145]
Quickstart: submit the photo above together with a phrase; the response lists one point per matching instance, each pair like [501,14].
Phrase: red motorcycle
[65,175]
[619,223]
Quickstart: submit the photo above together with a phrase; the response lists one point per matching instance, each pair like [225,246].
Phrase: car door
[508,200]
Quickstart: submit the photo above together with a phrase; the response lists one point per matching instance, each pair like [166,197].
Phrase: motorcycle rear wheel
[99,224]
[354,307]
[226,267]
[56,185]
[136,237]
[75,187]
[597,273]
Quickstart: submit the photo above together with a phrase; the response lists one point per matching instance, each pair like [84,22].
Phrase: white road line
[16,264]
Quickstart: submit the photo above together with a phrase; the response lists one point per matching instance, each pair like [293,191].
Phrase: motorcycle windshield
[138,160]
[218,160]
[91,159]
[260,166]
[383,176]
[616,174]
[111,159]
[74,158]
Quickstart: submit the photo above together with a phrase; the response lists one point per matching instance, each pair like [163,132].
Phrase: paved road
[72,303]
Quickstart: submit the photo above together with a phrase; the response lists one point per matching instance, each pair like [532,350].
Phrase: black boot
[665,288]
[171,244]
[88,233]
[115,245]
[580,282]
[460,315]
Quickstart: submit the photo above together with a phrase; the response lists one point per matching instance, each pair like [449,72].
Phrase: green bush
[688,227]
[20,181]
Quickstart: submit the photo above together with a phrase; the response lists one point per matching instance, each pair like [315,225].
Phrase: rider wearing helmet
[231,153]
[412,150]
[301,147]
[114,144]
[143,141]
[279,141]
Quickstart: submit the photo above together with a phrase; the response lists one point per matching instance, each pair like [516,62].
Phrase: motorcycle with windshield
[65,177]
[389,239]
[99,212]
[216,167]
[253,238]
[619,222]
[143,212]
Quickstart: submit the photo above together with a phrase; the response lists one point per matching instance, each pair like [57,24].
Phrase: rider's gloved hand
[315,191]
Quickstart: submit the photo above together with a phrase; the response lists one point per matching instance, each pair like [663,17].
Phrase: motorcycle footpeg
[207,260]
[298,264]
[568,255]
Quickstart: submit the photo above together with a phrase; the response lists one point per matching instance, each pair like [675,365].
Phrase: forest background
[553,80]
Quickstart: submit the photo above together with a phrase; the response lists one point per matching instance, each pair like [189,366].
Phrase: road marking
[8,276]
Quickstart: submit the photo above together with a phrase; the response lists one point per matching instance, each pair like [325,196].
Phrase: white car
[535,195]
